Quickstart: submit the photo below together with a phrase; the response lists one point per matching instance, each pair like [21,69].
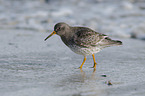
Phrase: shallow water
[29,66]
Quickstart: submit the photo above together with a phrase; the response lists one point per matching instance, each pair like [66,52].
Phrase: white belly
[84,51]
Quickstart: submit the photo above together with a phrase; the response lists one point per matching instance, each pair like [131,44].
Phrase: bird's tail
[117,42]
[106,42]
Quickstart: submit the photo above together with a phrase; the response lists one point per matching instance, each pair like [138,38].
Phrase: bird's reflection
[79,78]
[83,74]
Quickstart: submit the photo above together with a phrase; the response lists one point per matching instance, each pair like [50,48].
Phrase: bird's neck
[67,38]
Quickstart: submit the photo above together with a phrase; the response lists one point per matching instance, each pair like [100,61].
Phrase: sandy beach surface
[30,66]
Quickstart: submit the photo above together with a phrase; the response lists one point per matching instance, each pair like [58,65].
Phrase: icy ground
[121,18]
[29,66]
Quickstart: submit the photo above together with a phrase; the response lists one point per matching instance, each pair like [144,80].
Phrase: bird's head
[59,29]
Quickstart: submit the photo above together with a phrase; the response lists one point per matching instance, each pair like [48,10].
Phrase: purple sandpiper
[83,40]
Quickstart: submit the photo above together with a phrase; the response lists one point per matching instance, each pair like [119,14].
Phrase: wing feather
[88,38]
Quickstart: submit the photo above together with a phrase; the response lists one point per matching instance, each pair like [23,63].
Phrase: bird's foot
[94,65]
[79,67]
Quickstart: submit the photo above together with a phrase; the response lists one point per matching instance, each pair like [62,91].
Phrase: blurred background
[119,18]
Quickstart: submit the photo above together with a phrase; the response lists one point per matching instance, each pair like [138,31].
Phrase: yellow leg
[83,62]
[94,61]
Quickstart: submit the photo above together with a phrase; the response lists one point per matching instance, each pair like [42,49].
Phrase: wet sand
[29,66]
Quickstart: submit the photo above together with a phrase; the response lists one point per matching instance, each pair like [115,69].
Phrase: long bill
[50,35]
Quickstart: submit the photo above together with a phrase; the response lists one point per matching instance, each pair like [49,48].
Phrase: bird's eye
[58,28]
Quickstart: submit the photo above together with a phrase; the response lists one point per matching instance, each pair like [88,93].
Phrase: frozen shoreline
[30,66]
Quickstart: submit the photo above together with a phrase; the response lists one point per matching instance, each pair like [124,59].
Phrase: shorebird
[83,40]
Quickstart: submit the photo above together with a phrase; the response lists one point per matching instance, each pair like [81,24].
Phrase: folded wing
[88,38]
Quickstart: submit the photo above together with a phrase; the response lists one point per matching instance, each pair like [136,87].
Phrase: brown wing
[88,38]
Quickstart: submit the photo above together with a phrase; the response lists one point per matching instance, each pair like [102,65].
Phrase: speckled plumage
[83,40]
